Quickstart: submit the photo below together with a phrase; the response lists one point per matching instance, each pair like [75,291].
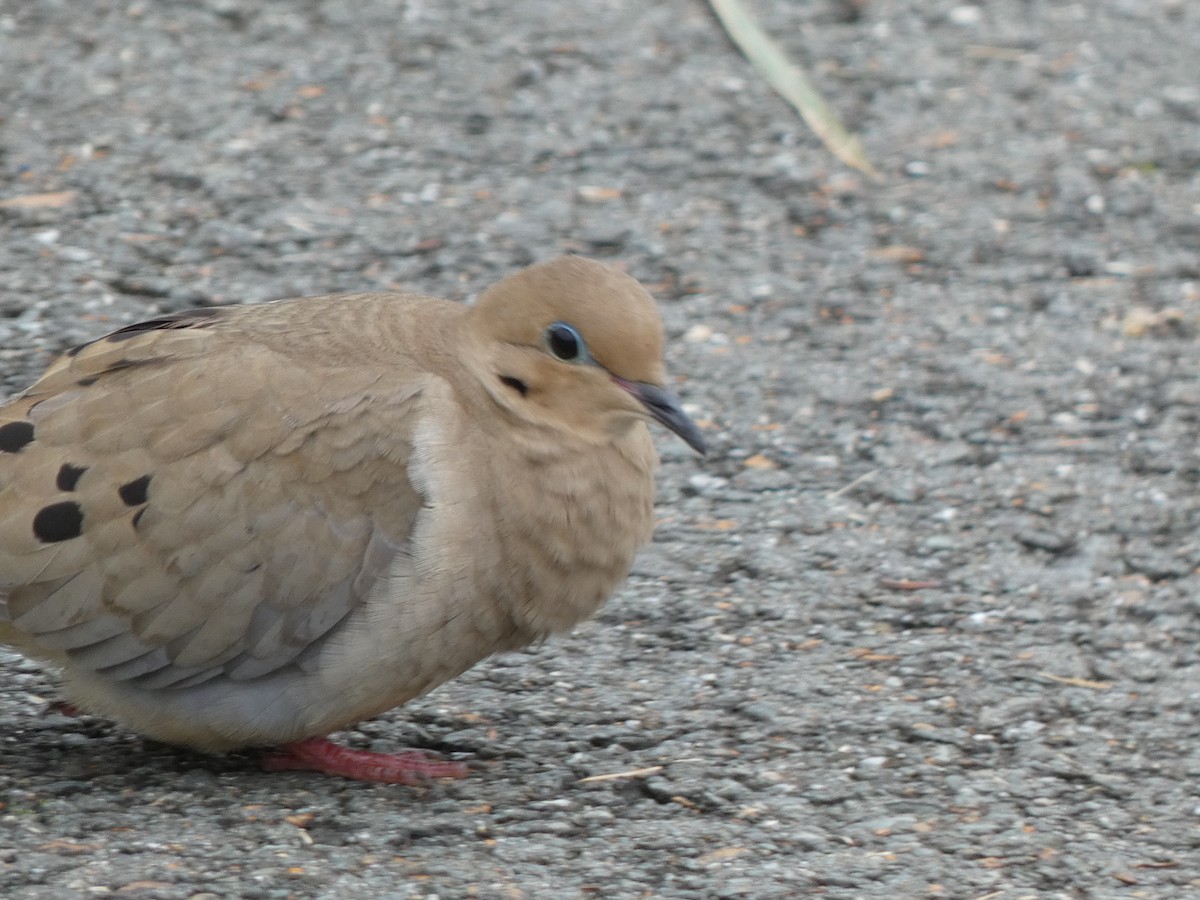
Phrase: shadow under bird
[253,526]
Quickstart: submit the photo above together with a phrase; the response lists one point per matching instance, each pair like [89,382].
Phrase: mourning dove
[253,526]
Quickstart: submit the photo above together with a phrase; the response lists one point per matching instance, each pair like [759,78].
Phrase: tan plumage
[255,525]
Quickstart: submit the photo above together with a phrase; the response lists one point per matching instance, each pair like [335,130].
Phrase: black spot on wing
[58,522]
[133,493]
[14,436]
[68,476]
[137,517]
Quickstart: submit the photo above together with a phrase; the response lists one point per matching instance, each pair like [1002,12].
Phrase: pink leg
[62,708]
[323,755]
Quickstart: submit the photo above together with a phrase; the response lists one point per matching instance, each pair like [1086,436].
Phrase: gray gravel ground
[925,621]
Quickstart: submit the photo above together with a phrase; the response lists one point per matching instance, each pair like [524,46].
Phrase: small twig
[613,776]
[908,584]
[861,479]
[1078,682]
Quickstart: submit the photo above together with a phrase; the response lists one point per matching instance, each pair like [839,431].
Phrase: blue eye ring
[566,343]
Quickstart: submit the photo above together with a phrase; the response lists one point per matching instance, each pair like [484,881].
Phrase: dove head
[573,345]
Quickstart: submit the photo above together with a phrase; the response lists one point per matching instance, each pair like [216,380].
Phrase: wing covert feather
[179,475]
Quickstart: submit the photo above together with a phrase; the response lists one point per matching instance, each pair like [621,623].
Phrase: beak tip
[696,441]
[664,408]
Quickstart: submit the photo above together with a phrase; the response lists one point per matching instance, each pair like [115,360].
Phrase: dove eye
[566,343]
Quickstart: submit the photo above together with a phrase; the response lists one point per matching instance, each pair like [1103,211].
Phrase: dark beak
[664,407]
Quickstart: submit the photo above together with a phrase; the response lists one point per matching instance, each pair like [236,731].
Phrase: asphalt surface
[924,624]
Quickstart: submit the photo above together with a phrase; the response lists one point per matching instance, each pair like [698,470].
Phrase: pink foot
[323,755]
[62,708]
